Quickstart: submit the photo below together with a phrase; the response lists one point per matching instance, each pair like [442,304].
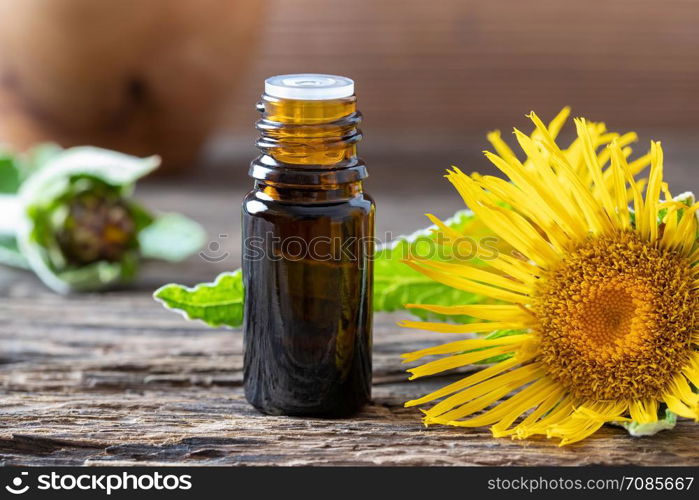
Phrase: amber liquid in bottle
[308,230]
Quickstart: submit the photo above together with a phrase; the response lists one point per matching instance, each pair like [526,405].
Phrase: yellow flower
[602,298]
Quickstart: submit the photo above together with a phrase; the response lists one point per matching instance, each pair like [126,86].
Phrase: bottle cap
[309,87]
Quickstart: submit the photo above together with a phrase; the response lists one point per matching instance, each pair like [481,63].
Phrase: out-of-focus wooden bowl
[144,77]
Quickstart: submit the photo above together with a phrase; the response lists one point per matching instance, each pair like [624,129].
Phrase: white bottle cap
[309,87]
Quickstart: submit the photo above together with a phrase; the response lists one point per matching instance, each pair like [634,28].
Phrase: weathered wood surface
[114,379]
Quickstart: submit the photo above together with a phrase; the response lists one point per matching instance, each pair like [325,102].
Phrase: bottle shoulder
[257,203]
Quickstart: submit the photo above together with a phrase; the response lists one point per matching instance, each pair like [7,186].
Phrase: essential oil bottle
[308,229]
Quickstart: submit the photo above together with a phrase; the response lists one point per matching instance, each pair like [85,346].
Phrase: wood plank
[114,379]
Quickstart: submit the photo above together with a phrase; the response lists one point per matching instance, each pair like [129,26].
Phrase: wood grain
[114,379]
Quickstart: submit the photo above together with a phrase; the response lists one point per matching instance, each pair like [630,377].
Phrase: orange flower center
[616,318]
[611,320]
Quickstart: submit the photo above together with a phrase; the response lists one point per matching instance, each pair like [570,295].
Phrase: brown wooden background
[430,72]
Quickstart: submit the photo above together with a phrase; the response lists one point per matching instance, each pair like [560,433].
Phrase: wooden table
[114,379]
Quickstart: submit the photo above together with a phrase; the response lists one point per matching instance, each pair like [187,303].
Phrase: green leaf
[686,198]
[9,175]
[10,254]
[141,216]
[638,430]
[37,157]
[53,177]
[94,277]
[217,304]
[395,284]
[171,237]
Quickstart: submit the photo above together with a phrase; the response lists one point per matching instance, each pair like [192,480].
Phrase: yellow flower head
[602,297]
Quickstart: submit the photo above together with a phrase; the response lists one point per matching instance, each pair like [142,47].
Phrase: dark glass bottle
[308,232]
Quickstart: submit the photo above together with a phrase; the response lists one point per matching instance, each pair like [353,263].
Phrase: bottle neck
[308,144]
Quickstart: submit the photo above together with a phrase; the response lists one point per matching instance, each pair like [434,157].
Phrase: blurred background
[181,77]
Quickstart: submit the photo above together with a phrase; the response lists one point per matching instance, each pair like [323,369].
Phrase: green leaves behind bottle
[395,284]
